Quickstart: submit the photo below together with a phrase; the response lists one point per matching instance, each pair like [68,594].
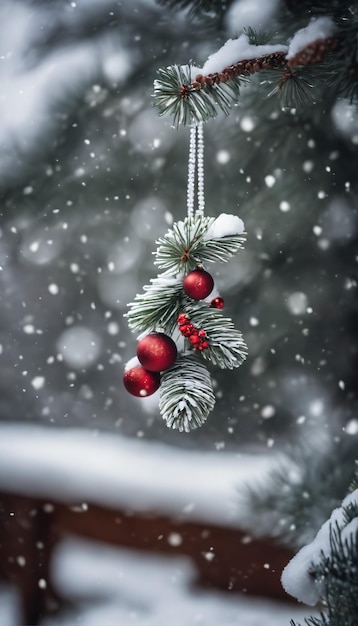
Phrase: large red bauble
[140,382]
[198,284]
[157,352]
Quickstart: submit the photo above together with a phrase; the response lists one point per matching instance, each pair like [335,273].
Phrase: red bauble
[198,284]
[217,303]
[157,352]
[140,382]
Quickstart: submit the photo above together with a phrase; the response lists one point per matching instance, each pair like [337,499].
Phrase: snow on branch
[193,321]
[318,29]
[157,307]
[186,394]
[304,576]
[227,348]
[192,94]
[200,239]
[237,49]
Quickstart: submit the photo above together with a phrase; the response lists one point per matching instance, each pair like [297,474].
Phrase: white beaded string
[191,171]
[200,166]
[196,161]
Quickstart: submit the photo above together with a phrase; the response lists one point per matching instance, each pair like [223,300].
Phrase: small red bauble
[157,352]
[217,303]
[198,284]
[140,382]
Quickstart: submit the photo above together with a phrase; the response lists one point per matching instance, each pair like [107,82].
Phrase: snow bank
[296,578]
[133,588]
[100,468]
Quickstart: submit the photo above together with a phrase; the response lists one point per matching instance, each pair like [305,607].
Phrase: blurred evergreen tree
[91,176]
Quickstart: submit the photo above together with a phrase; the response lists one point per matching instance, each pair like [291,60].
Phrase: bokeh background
[90,176]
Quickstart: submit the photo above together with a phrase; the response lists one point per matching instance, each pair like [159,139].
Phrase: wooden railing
[30,529]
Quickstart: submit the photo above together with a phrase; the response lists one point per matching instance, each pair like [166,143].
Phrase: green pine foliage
[197,7]
[157,307]
[300,494]
[337,575]
[173,95]
[297,99]
[332,75]
[186,245]
[186,394]
[227,348]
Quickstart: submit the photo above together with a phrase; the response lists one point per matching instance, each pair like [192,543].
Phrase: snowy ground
[80,465]
[128,588]
[117,586]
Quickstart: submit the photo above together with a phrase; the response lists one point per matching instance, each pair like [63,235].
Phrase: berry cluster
[196,337]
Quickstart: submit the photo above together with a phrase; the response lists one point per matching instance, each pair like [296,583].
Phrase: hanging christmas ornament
[198,284]
[138,381]
[217,303]
[175,301]
[157,352]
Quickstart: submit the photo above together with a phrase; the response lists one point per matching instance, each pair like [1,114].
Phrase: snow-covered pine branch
[192,94]
[186,394]
[198,240]
[227,348]
[157,307]
[326,569]
[172,89]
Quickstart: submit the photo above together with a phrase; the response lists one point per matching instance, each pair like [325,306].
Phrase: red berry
[202,333]
[198,284]
[204,345]
[186,329]
[156,352]
[140,382]
[182,318]
[194,340]
[217,303]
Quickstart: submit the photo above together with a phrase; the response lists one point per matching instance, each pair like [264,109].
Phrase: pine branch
[333,573]
[227,348]
[157,307]
[337,576]
[186,394]
[317,486]
[295,88]
[177,94]
[196,7]
[186,245]
[196,99]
